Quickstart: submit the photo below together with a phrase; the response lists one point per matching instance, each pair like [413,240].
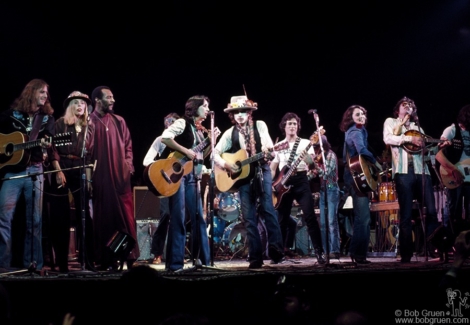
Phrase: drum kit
[229,232]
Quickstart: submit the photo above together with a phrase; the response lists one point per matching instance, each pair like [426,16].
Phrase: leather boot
[320,256]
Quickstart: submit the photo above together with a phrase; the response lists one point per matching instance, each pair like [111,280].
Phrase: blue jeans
[9,195]
[189,200]
[408,187]
[332,196]
[250,216]
[361,224]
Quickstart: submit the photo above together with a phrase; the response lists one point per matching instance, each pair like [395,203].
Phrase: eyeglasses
[239,112]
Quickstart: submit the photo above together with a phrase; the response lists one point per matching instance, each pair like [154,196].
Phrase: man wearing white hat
[254,138]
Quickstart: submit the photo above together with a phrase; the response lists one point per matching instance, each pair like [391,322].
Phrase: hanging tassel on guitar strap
[257,181]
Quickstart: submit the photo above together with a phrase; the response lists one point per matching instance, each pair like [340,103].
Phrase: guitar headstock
[62,139]
[315,138]
[457,144]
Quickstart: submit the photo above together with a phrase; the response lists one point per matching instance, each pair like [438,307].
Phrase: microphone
[90,109]
[210,112]
[312,111]
[414,115]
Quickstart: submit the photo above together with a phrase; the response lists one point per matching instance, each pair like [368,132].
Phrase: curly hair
[396,109]
[347,120]
[464,117]
[25,102]
[289,116]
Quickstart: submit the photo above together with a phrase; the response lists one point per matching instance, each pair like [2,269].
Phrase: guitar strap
[36,127]
[347,156]
[292,153]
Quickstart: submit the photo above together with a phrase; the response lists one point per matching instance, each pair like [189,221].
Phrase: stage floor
[230,293]
[300,264]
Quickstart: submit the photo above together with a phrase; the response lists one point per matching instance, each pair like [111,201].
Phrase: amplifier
[146,204]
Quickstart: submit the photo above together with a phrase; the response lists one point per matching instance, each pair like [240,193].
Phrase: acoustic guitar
[163,177]
[13,146]
[449,180]
[411,148]
[227,181]
[365,174]
[279,183]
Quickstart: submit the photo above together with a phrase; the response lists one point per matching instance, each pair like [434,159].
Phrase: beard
[106,108]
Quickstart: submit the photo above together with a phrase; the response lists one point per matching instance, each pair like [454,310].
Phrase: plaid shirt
[331,168]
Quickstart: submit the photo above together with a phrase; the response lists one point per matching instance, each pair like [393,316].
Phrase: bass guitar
[163,177]
[227,181]
[13,146]
[411,148]
[279,183]
[449,180]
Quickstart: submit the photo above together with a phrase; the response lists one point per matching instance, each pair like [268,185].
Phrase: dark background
[290,56]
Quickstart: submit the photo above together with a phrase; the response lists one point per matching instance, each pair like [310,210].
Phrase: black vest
[454,152]
[236,140]
[185,139]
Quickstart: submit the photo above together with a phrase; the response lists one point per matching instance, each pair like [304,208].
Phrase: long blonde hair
[70,118]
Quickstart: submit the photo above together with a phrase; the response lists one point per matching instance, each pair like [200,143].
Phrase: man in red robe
[112,191]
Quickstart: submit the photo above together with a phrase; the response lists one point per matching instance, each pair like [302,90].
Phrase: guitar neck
[252,159]
[27,145]
[200,147]
[296,163]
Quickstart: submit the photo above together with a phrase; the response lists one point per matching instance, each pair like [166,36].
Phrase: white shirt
[225,142]
[400,155]
[282,156]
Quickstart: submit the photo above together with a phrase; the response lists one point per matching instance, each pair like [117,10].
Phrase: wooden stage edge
[229,293]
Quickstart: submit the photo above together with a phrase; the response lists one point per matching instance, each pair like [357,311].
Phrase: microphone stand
[323,186]
[211,197]
[83,201]
[423,182]
[211,193]
[197,264]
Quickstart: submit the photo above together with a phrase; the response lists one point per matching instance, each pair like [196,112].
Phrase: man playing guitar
[299,187]
[454,157]
[253,137]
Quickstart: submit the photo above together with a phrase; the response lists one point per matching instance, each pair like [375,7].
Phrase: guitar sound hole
[177,168]
[9,149]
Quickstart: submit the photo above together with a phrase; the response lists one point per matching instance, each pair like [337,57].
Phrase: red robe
[113,208]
